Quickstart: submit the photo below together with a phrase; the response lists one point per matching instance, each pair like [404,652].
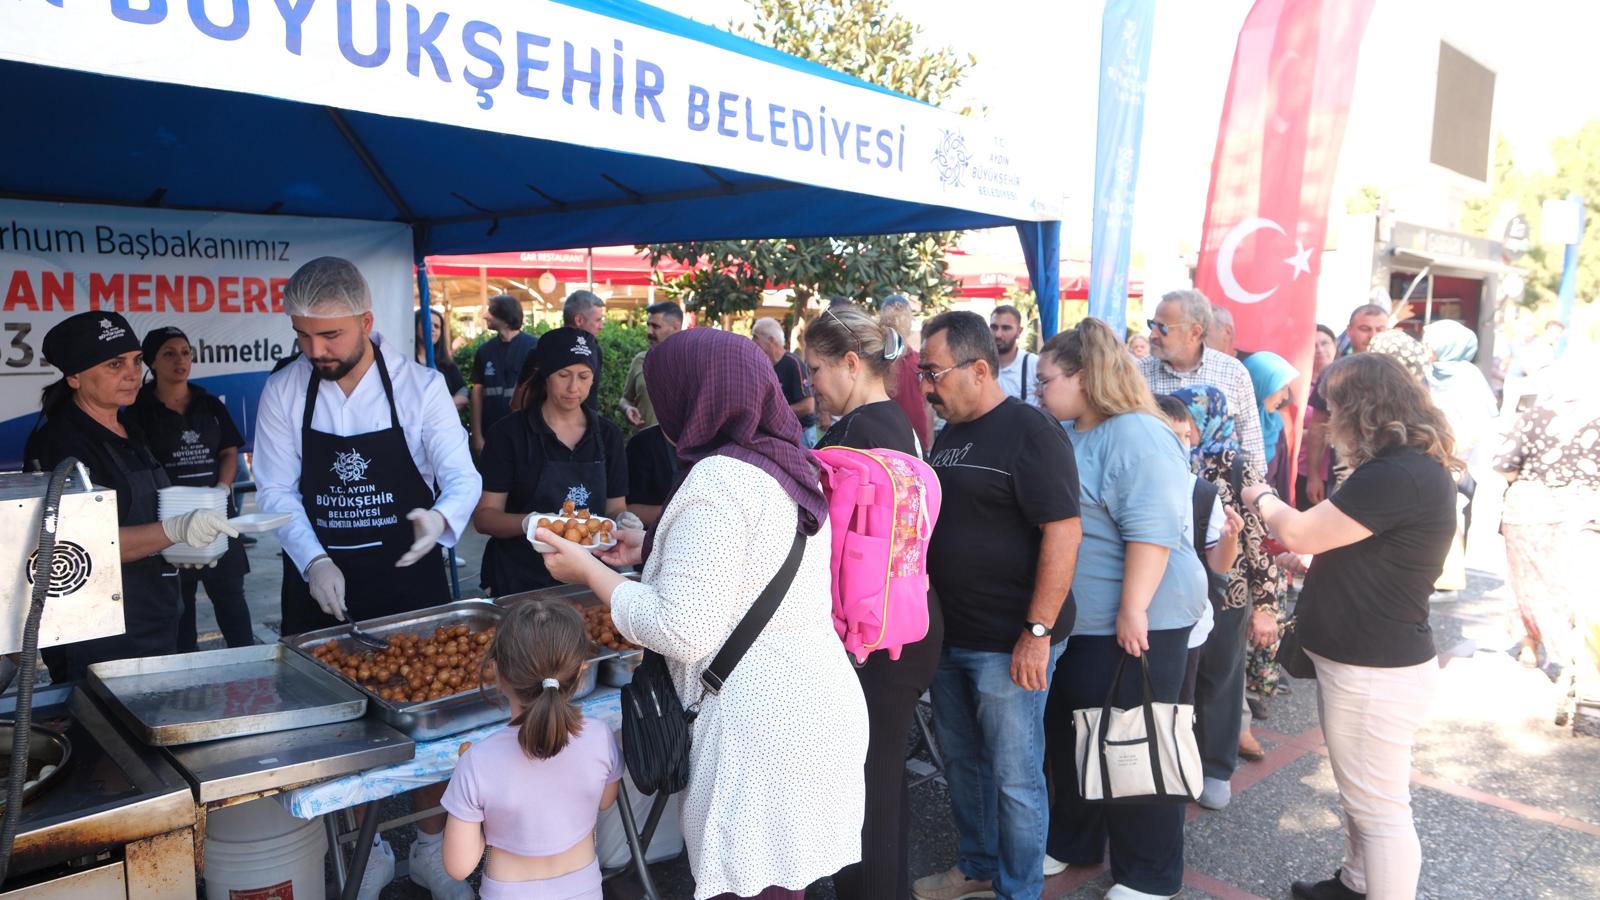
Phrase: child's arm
[609,795]
[463,847]
[1225,552]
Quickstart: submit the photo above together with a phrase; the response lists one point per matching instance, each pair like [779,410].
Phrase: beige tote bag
[1147,754]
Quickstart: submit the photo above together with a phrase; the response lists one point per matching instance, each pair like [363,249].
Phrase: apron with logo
[356,491]
[511,565]
[189,456]
[150,599]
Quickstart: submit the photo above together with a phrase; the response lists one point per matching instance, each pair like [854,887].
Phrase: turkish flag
[1277,152]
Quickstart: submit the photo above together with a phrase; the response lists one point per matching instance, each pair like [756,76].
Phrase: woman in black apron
[356,491]
[99,360]
[551,449]
[193,437]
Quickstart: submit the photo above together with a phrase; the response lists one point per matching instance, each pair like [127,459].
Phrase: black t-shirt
[71,432]
[453,382]
[652,467]
[1002,476]
[496,367]
[796,381]
[1366,604]
[873,426]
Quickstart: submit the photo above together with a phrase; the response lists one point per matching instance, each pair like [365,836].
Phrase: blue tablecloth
[434,762]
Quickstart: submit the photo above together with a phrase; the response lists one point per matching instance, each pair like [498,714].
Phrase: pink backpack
[883,505]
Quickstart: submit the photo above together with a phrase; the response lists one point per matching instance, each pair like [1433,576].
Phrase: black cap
[559,348]
[154,341]
[88,339]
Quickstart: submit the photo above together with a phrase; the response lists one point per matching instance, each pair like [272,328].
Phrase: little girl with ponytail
[531,793]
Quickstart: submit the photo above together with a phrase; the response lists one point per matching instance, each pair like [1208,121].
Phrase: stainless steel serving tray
[192,697]
[430,719]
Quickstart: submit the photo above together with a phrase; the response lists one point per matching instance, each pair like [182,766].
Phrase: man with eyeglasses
[1019,369]
[1001,562]
[1179,358]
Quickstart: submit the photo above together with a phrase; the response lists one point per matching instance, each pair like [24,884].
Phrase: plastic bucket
[257,851]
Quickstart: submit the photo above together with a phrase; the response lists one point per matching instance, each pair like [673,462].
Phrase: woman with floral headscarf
[1246,606]
[776,789]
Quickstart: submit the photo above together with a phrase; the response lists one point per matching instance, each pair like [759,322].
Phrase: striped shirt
[1228,375]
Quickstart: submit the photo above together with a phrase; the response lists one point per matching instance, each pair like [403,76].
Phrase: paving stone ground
[1507,804]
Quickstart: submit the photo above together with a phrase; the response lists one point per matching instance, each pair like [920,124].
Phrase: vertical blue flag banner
[1124,70]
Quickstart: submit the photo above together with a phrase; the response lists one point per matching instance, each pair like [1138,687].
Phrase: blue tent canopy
[149,140]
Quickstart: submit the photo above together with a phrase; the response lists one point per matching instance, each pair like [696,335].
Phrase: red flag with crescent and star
[1277,151]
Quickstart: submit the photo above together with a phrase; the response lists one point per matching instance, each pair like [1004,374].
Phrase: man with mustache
[351,439]
[1001,561]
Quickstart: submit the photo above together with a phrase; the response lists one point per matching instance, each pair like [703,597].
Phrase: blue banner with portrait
[1124,70]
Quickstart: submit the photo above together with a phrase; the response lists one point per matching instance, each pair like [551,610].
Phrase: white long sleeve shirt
[427,415]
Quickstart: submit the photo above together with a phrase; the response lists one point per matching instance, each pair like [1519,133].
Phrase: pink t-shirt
[534,807]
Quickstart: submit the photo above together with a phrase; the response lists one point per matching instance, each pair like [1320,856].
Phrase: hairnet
[327,287]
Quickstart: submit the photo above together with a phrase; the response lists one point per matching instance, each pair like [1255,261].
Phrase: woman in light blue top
[1139,589]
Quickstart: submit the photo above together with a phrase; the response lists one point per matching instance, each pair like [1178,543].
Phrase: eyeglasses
[932,377]
[853,338]
[1042,382]
[1158,326]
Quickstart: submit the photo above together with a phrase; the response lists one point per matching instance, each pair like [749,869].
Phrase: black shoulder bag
[655,725]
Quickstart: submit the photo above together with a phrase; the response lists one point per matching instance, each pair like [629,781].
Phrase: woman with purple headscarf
[776,791]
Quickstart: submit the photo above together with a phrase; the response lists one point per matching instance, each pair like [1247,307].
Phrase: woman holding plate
[550,450]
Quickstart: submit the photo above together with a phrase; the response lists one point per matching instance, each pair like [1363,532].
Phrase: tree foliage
[1577,170]
[863,38]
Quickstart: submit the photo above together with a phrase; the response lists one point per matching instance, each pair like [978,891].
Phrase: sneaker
[951,885]
[427,870]
[1332,889]
[1123,892]
[379,871]
[1053,866]
[1216,794]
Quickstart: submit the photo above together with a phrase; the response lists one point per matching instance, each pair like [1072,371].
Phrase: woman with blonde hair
[1379,543]
[895,312]
[1139,589]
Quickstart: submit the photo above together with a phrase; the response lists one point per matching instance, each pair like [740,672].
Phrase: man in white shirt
[362,447]
[1019,370]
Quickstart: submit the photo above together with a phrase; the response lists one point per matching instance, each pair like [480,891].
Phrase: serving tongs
[367,639]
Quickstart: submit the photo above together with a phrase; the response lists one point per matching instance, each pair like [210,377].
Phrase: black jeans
[226,593]
[1219,693]
[1146,841]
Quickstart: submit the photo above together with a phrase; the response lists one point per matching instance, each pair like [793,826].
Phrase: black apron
[356,491]
[188,453]
[511,565]
[151,603]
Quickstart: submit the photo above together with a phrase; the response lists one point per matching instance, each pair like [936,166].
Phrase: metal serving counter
[238,769]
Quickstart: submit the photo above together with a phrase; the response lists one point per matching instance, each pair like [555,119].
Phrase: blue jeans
[992,736]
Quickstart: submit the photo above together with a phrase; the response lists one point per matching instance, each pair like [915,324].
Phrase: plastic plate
[257,522]
[542,547]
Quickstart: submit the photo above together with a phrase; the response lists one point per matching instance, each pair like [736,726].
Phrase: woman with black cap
[553,449]
[191,434]
[99,361]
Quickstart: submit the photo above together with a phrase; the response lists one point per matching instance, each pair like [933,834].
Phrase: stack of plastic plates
[175,501]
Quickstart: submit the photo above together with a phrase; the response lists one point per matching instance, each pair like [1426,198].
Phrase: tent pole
[427,318]
[588,265]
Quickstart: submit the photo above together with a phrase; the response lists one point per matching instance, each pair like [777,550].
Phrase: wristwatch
[1037,630]
[1269,492]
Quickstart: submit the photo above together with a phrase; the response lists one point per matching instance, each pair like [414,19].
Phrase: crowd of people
[1103,499]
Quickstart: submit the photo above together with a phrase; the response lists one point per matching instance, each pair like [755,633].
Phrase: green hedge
[619,343]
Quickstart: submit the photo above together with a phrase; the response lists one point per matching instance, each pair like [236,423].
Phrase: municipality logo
[580,346]
[110,331]
[488,369]
[579,495]
[952,158]
[350,466]
[190,436]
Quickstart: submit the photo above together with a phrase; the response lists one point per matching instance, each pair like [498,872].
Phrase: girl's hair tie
[552,683]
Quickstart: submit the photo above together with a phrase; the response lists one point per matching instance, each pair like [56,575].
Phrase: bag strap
[1205,500]
[749,627]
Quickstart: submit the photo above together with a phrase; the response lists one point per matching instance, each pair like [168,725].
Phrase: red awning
[611,265]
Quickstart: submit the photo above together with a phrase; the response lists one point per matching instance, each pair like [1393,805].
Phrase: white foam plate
[542,547]
[257,522]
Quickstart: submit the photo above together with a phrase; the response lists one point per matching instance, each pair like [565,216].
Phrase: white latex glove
[198,528]
[429,525]
[327,586]
[627,520]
